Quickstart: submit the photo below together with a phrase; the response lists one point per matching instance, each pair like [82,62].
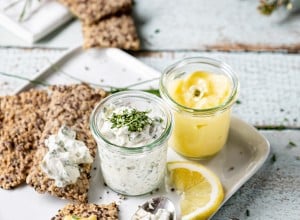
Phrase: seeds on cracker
[78,211]
[115,31]
[21,126]
[92,11]
[70,106]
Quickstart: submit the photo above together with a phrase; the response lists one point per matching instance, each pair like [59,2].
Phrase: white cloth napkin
[40,18]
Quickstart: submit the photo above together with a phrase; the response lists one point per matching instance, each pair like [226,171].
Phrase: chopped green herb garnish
[278,128]
[231,169]
[160,120]
[197,92]
[292,143]
[247,212]
[75,217]
[238,102]
[274,158]
[135,120]
[157,31]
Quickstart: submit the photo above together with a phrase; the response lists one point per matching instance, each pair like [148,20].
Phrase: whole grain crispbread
[21,126]
[70,106]
[116,31]
[91,11]
[108,212]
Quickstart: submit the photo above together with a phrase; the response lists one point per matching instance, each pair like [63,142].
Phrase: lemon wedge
[201,190]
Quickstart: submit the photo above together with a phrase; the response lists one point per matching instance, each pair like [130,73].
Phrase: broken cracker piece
[91,11]
[70,106]
[21,126]
[109,212]
[115,31]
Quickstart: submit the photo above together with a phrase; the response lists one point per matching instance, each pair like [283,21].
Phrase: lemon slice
[201,190]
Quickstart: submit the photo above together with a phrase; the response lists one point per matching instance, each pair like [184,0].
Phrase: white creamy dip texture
[64,156]
[161,214]
[132,173]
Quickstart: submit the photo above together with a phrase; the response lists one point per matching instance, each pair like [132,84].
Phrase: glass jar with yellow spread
[201,92]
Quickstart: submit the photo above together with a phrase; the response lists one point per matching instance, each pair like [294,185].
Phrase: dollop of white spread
[125,138]
[64,156]
[142,214]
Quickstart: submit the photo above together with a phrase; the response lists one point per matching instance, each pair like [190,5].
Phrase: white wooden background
[194,25]
[270,92]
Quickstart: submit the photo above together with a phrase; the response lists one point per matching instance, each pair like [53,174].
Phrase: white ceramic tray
[244,153]
[39,20]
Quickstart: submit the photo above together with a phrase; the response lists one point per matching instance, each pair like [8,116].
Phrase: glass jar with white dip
[138,168]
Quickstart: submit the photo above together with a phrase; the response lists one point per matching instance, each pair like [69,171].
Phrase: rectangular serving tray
[244,153]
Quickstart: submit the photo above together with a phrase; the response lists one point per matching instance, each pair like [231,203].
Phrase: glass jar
[198,133]
[133,170]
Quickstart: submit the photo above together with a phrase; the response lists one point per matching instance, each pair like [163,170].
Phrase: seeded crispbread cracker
[70,106]
[109,212]
[21,125]
[91,11]
[115,31]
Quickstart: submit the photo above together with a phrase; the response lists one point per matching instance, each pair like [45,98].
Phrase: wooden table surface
[264,53]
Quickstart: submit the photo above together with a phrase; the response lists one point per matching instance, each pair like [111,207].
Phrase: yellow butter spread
[200,136]
[201,90]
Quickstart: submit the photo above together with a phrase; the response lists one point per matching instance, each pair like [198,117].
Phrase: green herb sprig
[112,89]
[27,4]
[109,89]
[35,82]
[135,120]
[267,7]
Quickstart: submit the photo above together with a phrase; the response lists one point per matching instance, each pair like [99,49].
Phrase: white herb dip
[122,136]
[132,129]
[132,173]
[64,156]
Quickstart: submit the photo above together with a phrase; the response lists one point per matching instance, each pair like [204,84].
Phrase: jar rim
[137,94]
[226,69]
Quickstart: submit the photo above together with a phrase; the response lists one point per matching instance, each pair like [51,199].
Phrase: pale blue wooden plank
[269,90]
[274,192]
[195,24]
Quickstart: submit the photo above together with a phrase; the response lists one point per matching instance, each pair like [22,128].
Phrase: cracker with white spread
[21,126]
[70,106]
